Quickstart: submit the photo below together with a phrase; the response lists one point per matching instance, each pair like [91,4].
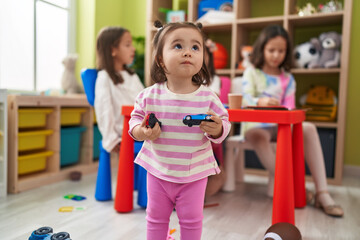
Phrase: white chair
[235,160]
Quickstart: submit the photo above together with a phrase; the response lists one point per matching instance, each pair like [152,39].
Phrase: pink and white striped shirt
[181,154]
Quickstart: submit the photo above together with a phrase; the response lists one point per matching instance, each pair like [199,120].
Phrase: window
[35,36]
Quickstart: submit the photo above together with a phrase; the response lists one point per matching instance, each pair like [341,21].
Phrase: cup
[235,100]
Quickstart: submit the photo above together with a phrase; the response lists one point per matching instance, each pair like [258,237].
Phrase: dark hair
[108,38]
[210,64]
[257,57]
[157,72]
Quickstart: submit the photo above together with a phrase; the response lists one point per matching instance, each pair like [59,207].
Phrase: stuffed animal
[307,55]
[245,55]
[330,43]
[69,82]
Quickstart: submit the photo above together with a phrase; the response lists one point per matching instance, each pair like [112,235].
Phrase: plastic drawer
[33,117]
[33,162]
[71,116]
[31,140]
[70,145]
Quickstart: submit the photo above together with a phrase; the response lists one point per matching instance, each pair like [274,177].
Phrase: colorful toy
[307,55]
[191,120]
[220,56]
[282,231]
[46,233]
[245,55]
[321,104]
[307,10]
[71,209]
[74,197]
[151,120]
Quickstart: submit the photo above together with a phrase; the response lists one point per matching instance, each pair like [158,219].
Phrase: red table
[289,189]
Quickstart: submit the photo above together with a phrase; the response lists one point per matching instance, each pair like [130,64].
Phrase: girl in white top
[116,84]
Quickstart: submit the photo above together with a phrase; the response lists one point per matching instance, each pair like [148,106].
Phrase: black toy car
[191,120]
[46,233]
[151,120]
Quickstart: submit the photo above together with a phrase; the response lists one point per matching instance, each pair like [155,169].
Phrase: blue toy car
[46,233]
[191,120]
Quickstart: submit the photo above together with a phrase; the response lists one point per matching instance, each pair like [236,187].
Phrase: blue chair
[103,181]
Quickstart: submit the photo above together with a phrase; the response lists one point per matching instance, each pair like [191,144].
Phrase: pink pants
[188,200]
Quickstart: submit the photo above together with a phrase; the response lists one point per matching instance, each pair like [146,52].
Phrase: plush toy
[69,82]
[330,43]
[245,55]
[307,55]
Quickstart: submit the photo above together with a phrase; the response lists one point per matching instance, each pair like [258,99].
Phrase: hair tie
[158,25]
[199,25]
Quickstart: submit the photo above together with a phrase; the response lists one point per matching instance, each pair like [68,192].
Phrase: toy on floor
[46,233]
[74,197]
[151,120]
[282,231]
[191,120]
[171,231]
[71,209]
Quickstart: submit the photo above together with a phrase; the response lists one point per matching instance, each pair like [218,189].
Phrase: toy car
[46,233]
[191,120]
[151,120]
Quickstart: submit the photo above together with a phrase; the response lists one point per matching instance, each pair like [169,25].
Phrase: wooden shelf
[53,171]
[317,18]
[315,70]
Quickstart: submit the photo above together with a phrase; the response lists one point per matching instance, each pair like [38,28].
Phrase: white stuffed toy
[69,82]
[307,55]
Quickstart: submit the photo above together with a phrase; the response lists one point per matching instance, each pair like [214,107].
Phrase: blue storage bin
[70,145]
[97,139]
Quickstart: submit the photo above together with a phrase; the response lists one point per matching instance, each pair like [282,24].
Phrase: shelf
[315,70]
[326,124]
[260,22]
[223,71]
[317,18]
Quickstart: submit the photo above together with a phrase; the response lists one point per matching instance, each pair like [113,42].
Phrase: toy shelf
[53,171]
[250,17]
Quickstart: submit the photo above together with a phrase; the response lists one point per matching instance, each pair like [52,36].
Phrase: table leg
[299,166]
[125,179]
[283,201]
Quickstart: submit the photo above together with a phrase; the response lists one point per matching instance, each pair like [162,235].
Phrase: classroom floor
[243,214]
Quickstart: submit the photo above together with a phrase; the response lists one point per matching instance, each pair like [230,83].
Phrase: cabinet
[54,107]
[3,143]
[253,15]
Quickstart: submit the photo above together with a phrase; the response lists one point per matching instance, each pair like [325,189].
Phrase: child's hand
[214,129]
[116,149]
[268,101]
[141,132]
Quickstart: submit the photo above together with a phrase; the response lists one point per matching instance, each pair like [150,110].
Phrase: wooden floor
[243,214]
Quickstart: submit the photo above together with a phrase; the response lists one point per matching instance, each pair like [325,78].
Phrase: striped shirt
[181,154]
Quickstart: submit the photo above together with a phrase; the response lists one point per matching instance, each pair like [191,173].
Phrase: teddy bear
[307,54]
[245,55]
[330,43]
[68,81]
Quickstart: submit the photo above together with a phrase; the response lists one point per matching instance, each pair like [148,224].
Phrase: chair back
[88,77]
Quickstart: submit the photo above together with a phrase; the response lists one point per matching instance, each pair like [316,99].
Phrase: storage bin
[31,140]
[97,138]
[33,162]
[71,116]
[33,117]
[70,145]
